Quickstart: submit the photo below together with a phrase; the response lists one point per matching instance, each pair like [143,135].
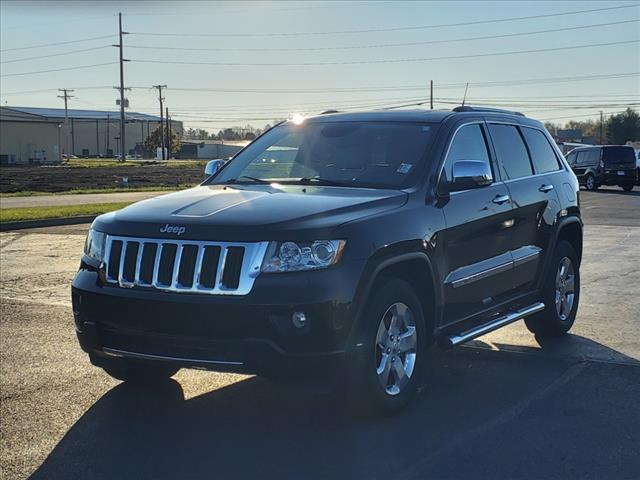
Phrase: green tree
[153,141]
[624,127]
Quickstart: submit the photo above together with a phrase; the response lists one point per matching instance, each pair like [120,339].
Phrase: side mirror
[212,167]
[469,174]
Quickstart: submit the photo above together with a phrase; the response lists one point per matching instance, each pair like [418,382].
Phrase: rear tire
[137,371]
[590,183]
[385,374]
[627,188]
[561,294]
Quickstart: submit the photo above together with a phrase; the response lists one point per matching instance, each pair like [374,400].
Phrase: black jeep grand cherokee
[341,245]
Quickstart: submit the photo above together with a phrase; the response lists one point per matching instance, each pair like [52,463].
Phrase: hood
[249,212]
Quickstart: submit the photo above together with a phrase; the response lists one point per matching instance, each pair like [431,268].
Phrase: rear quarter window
[542,155]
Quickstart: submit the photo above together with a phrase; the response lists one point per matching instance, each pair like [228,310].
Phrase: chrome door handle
[545,188]
[500,199]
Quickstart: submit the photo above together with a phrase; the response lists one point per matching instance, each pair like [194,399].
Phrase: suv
[339,247]
[607,165]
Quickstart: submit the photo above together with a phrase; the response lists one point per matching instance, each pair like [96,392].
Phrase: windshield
[619,155]
[359,154]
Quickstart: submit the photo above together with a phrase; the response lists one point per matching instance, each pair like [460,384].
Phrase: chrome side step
[454,340]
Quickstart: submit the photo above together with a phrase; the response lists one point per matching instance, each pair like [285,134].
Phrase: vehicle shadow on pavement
[480,412]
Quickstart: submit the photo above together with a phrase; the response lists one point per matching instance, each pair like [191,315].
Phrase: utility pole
[122,100]
[65,96]
[161,99]
[431,94]
[106,152]
[601,126]
[168,133]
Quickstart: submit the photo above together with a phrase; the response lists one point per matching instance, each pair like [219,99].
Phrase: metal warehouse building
[39,135]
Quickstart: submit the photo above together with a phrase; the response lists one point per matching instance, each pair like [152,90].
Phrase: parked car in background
[605,165]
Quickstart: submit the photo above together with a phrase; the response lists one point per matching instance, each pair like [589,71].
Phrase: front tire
[627,188]
[561,294]
[387,371]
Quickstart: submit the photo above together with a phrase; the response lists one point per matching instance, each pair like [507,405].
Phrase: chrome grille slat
[176,267]
[221,264]
[156,265]
[198,267]
[249,267]
[138,263]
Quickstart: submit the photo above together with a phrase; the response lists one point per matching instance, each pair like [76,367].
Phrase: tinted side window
[467,144]
[543,157]
[582,157]
[593,156]
[511,151]
[571,159]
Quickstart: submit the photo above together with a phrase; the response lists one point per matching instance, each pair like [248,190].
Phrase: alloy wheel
[565,288]
[396,348]
[591,183]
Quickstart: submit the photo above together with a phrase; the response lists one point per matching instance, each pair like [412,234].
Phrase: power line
[380,45]
[387,60]
[26,92]
[581,116]
[57,69]
[403,87]
[378,30]
[56,54]
[42,45]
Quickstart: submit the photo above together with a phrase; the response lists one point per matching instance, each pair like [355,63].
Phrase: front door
[476,243]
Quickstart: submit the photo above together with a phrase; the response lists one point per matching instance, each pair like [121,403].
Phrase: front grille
[219,268]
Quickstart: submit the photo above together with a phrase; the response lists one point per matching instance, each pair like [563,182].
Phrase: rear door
[533,197]
[619,163]
[477,259]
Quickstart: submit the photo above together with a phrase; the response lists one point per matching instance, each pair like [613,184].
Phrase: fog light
[299,319]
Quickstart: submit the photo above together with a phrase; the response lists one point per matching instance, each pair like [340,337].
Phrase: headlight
[94,245]
[296,256]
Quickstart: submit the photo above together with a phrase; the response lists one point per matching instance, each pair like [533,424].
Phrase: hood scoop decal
[215,203]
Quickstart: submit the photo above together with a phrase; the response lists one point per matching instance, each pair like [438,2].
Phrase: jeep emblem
[173,229]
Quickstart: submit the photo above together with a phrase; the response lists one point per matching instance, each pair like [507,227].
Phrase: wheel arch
[570,230]
[414,267]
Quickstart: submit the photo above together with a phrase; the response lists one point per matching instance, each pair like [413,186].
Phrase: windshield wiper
[250,180]
[323,181]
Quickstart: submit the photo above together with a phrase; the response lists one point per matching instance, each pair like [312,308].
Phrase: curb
[46,222]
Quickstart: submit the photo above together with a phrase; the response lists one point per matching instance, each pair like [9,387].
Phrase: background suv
[340,246]
[605,165]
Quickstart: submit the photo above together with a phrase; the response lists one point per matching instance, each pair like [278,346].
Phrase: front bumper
[246,334]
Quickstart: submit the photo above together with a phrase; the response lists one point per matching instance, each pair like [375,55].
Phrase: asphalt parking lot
[505,406]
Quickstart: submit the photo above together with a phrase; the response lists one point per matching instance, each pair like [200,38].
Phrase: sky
[236,63]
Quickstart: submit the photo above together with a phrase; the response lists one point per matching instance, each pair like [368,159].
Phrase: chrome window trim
[554,147]
[561,160]
[254,254]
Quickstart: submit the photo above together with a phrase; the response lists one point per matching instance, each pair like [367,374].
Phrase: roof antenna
[465,93]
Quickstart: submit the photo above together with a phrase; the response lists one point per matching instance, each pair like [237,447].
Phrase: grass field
[108,162]
[80,191]
[41,213]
